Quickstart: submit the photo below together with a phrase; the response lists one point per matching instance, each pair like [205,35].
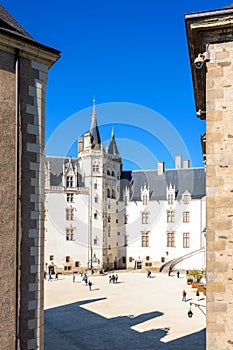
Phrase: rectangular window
[186,216]
[95,216]
[126,219]
[70,197]
[123,259]
[144,199]
[96,168]
[96,199]
[77,264]
[145,217]
[116,221]
[109,232]
[51,258]
[130,259]
[126,240]
[170,198]
[96,240]
[171,239]
[148,264]
[67,259]
[118,233]
[69,181]
[69,214]
[147,258]
[70,234]
[186,242]
[145,239]
[95,186]
[170,216]
[186,199]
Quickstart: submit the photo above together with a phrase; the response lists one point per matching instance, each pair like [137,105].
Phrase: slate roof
[56,169]
[191,179]
[112,148]
[95,135]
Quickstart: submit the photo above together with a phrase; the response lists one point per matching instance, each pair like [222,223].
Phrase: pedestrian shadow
[93,289]
[189,299]
[74,327]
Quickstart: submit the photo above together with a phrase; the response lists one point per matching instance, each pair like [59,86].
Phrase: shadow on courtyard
[71,327]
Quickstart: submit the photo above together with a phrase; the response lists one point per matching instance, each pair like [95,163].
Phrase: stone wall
[219,181]
[7,201]
[21,198]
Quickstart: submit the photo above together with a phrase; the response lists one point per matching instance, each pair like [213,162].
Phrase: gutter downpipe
[17,199]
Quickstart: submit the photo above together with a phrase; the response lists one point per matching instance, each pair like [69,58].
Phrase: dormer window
[144,199]
[69,181]
[145,195]
[186,197]
[170,198]
[170,195]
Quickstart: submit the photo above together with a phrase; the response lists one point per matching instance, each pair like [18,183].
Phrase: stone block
[217,307]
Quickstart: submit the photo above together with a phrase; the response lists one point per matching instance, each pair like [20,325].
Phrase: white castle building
[101,217]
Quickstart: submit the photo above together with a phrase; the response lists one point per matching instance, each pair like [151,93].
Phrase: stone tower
[211,56]
[24,64]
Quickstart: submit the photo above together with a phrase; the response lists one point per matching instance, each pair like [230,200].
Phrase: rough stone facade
[213,88]
[24,66]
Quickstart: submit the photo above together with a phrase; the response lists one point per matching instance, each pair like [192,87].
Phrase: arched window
[108,193]
[113,173]
[113,193]
[108,172]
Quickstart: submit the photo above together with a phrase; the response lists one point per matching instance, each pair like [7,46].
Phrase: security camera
[200,59]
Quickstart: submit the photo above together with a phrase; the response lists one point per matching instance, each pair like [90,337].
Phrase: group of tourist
[113,278]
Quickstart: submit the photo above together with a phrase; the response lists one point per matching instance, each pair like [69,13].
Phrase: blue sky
[132,52]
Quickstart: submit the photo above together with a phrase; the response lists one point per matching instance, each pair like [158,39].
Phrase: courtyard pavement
[137,313]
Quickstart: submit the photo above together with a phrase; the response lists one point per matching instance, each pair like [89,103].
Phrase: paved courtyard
[136,313]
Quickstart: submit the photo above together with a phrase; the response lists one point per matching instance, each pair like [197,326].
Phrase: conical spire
[93,110]
[94,130]
[112,149]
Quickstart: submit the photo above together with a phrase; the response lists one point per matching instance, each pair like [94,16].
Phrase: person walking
[116,278]
[90,284]
[184,295]
[197,294]
[73,278]
[178,274]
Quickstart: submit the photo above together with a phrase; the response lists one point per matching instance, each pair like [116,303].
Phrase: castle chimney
[160,168]
[80,144]
[87,141]
[186,164]
[178,162]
